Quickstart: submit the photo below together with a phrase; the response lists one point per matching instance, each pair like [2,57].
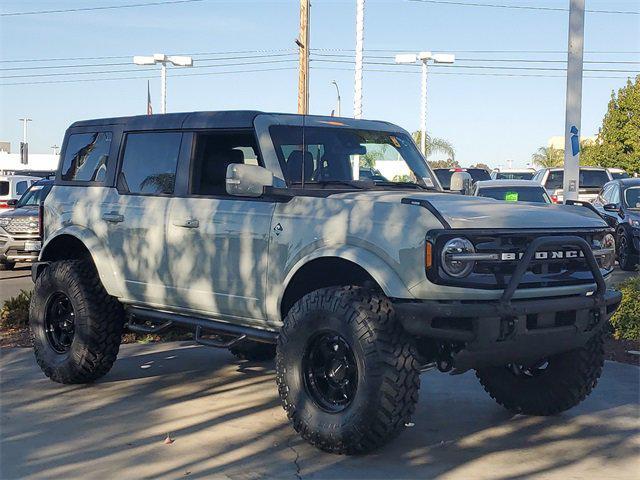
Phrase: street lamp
[424,57]
[338,93]
[162,59]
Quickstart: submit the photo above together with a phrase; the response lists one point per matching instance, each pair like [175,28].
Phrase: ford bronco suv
[257,231]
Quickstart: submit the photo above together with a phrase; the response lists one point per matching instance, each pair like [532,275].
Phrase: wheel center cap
[337,371]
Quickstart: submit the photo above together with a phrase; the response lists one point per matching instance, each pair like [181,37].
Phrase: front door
[218,244]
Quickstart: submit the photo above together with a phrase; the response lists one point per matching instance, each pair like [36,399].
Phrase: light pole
[423,58]
[162,59]
[357,84]
[24,121]
[55,149]
[338,93]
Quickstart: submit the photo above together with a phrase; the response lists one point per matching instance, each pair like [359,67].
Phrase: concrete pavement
[226,421]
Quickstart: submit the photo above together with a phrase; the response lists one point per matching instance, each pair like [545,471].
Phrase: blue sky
[488,119]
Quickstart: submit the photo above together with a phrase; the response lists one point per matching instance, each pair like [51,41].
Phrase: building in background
[37,161]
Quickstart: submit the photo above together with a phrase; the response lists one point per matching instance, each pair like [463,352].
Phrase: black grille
[495,274]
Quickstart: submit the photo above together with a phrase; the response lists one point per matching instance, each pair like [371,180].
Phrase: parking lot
[226,422]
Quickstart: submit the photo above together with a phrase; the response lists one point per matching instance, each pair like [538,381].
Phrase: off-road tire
[7,265]
[567,380]
[387,375]
[254,351]
[628,262]
[99,320]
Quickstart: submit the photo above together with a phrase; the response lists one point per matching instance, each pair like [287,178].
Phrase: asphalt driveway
[226,422]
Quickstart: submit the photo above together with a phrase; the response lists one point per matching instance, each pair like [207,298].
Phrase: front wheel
[549,386]
[76,326]
[627,258]
[346,370]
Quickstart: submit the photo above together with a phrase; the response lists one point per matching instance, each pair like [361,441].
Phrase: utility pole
[24,145]
[574,100]
[55,149]
[303,67]
[338,113]
[357,85]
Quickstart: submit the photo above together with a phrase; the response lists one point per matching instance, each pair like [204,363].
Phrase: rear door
[218,244]
[134,220]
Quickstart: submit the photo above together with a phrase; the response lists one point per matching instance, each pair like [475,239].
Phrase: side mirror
[247,180]
[611,207]
[12,202]
[461,182]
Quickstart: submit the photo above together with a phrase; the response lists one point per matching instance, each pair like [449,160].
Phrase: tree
[618,142]
[548,157]
[448,163]
[435,145]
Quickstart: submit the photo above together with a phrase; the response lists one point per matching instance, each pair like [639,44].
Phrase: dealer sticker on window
[511,196]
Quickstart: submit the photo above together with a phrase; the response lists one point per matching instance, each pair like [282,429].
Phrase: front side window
[214,152]
[149,163]
[313,156]
[86,157]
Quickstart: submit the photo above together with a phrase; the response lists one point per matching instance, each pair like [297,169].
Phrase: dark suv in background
[619,202]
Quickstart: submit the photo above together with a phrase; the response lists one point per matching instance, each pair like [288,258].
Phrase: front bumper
[497,332]
[19,248]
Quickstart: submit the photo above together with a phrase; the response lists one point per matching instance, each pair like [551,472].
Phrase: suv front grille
[496,274]
[22,225]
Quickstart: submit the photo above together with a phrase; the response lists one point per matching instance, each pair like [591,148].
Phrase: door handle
[113,217]
[187,223]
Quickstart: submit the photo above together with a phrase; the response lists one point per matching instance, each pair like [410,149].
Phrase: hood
[27,211]
[462,211]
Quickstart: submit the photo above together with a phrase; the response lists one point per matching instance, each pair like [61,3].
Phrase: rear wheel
[346,370]
[254,351]
[7,265]
[548,386]
[76,326]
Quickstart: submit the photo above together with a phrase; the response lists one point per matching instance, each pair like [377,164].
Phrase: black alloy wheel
[60,322]
[330,372]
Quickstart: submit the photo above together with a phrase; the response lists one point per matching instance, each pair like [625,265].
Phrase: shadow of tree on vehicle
[226,420]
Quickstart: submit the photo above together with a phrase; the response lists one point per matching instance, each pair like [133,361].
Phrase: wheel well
[65,247]
[321,273]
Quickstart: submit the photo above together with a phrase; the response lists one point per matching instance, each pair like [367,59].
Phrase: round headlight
[607,261]
[453,262]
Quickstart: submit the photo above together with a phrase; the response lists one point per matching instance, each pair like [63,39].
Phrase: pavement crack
[295,460]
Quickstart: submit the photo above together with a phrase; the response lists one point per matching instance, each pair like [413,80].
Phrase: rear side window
[21,187]
[593,178]
[149,163]
[86,157]
[555,180]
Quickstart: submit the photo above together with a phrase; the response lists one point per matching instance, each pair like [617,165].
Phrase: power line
[518,7]
[126,70]
[146,77]
[106,7]
[86,65]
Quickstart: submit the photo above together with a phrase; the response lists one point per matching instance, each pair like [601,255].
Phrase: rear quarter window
[86,157]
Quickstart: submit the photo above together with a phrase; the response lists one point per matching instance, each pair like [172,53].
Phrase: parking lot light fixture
[424,58]
[163,60]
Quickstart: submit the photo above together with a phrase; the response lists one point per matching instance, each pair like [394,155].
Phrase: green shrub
[15,311]
[626,320]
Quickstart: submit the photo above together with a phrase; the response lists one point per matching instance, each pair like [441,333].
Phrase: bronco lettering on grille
[548,255]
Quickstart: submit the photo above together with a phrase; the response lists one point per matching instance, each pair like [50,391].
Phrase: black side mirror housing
[611,207]
[12,202]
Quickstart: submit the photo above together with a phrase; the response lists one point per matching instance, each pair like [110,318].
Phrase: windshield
[632,197]
[514,175]
[516,194]
[312,156]
[34,196]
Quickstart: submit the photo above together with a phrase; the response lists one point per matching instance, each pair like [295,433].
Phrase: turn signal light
[428,255]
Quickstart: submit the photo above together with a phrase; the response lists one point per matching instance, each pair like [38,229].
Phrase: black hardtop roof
[219,119]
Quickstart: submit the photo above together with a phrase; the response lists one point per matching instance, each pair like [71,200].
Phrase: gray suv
[257,231]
